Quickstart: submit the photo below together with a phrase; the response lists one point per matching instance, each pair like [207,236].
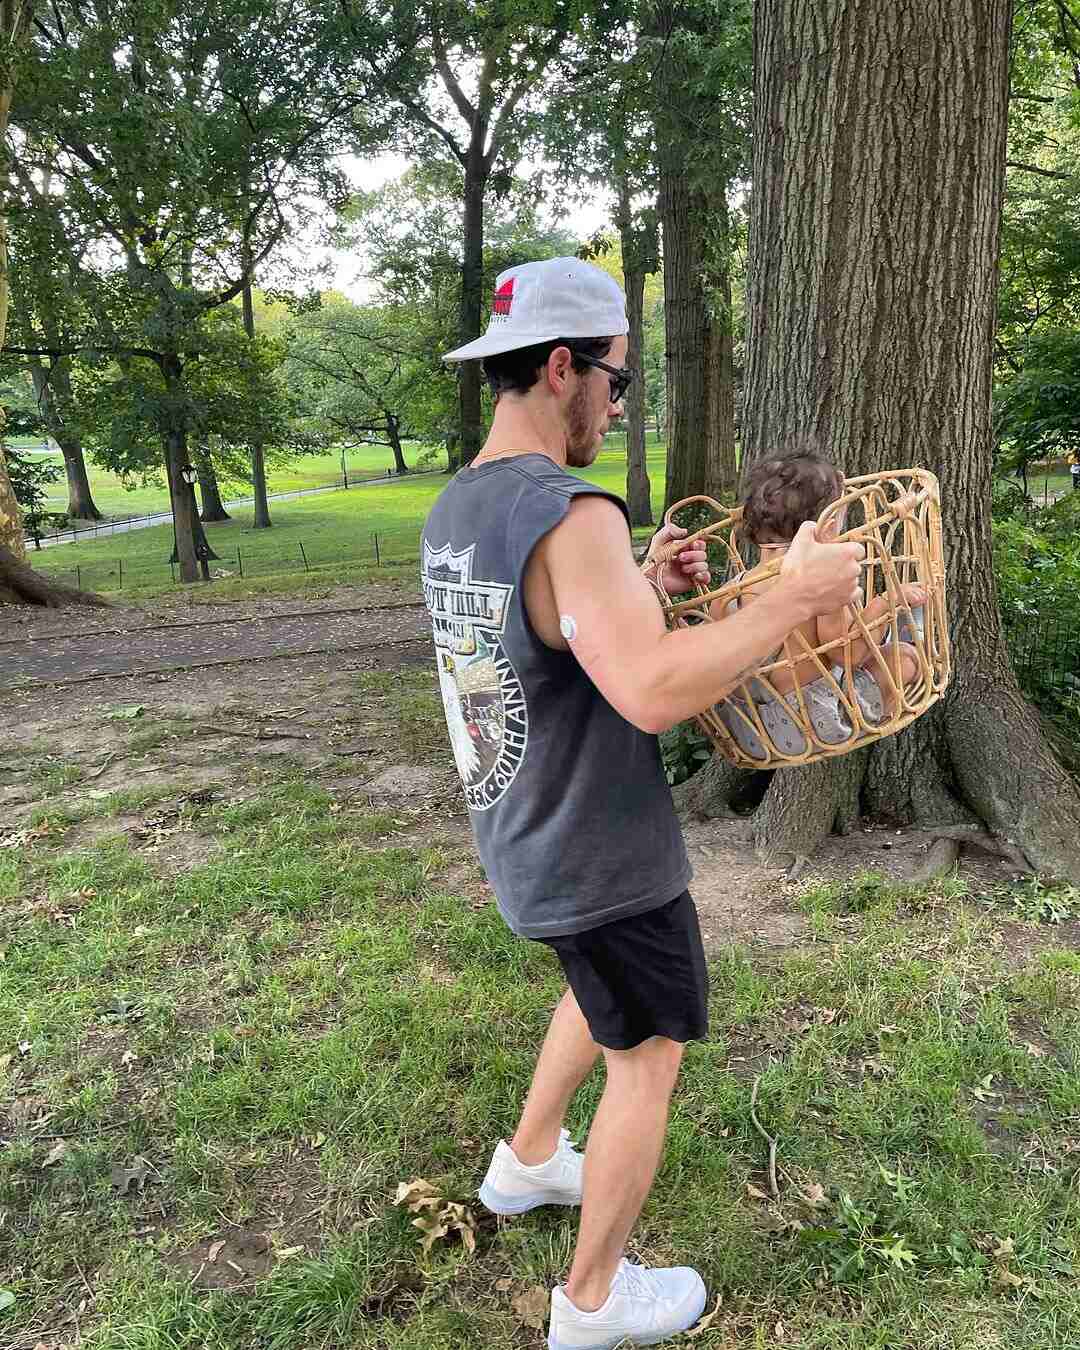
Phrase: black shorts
[640,977]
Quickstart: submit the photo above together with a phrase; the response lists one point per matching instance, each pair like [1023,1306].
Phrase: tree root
[21,585]
[948,840]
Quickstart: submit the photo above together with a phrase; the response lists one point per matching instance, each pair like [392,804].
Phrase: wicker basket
[897,517]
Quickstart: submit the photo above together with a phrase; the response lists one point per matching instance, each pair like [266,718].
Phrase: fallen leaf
[283,1253]
[7,1299]
[814,1195]
[1033,1050]
[504,1284]
[754,1194]
[5,1060]
[128,1057]
[1005,1279]
[531,1307]
[417,1195]
[1003,1247]
[778,1330]
[707,1321]
[55,1154]
[318,1140]
[215,1250]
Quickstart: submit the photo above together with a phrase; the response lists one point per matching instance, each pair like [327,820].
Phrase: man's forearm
[689,669]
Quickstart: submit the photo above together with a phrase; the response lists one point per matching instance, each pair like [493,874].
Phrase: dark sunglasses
[622,377]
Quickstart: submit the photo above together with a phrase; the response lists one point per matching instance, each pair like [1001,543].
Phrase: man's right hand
[821,578]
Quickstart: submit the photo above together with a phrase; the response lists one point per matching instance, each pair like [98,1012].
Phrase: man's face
[590,411]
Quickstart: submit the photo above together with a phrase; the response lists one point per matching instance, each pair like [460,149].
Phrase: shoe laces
[636,1280]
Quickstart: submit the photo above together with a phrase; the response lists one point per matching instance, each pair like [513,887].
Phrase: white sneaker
[512,1188]
[644,1306]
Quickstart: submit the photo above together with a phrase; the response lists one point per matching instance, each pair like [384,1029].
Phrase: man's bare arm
[617,632]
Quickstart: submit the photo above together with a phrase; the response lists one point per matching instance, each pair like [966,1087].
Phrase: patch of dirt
[304,707]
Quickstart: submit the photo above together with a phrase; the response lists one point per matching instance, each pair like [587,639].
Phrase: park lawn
[116,501]
[334,532]
[257,1037]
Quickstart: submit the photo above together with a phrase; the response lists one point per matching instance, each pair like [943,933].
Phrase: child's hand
[683,570]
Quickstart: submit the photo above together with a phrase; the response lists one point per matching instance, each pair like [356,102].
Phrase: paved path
[182,646]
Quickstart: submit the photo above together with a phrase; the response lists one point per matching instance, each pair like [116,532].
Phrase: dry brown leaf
[755,1194]
[814,1195]
[55,1154]
[215,1251]
[416,1194]
[707,1321]
[531,1307]
[1003,1247]
[504,1284]
[1005,1279]
[1033,1049]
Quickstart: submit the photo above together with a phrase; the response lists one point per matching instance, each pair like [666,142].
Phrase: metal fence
[1045,651]
[292,555]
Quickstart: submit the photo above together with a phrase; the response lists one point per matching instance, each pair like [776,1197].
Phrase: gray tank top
[572,813]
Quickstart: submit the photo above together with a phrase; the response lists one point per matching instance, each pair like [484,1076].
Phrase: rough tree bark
[393,436]
[258,456]
[213,508]
[683,212]
[477,168]
[18,583]
[638,259]
[53,389]
[720,469]
[879,161]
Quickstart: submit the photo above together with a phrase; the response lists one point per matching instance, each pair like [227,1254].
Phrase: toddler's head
[786,490]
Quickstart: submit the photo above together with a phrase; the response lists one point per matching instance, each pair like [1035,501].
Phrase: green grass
[312,1015]
[116,499]
[337,531]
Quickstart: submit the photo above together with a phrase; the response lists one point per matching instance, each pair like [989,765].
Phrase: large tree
[701,96]
[495,72]
[184,146]
[878,170]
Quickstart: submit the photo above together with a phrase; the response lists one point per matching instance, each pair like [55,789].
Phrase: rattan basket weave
[897,517]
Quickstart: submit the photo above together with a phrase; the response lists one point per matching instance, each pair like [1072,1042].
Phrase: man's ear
[559,366]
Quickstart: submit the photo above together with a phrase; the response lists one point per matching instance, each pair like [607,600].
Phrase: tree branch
[442,64]
[1043,173]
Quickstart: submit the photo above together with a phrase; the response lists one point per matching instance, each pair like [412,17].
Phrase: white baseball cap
[542,301]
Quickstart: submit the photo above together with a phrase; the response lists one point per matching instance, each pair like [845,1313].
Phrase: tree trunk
[53,391]
[879,160]
[213,508]
[635,264]
[21,585]
[393,435]
[472,281]
[16,16]
[720,470]
[258,458]
[190,546]
[686,326]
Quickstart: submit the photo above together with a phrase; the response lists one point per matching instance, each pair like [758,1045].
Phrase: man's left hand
[685,570]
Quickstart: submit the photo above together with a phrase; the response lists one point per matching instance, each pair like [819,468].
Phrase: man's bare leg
[623,1152]
[567,1056]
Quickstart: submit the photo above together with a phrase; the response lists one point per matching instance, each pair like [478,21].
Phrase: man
[557,671]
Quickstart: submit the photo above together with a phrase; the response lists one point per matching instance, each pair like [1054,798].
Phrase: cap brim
[494,344]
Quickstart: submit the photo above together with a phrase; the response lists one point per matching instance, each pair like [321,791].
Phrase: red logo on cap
[504,298]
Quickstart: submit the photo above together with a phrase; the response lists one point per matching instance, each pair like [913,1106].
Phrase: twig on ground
[774,1189]
[102,767]
[205,728]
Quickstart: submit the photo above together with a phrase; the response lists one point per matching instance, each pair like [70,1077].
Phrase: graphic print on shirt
[485,706]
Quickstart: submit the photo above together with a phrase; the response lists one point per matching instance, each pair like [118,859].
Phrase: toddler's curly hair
[787,489]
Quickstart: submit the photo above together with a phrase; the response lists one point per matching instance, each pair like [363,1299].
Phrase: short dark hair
[516,372]
[787,489]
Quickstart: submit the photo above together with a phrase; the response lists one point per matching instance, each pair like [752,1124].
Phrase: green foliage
[1037,407]
[31,477]
[685,749]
